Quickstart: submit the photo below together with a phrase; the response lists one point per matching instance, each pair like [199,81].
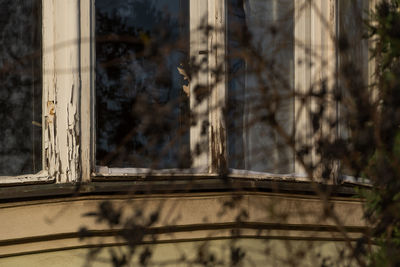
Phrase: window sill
[172,185]
[27,179]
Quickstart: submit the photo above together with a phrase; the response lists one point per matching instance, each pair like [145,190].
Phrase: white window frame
[61,88]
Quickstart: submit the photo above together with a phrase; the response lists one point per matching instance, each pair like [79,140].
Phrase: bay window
[248,64]
[127,88]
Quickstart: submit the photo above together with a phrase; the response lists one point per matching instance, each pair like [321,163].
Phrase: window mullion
[328,69]
[62,80]
[217,82]
[87,64]
[302,80]
[48,88]
[372,59]
[199,139]
[323,65]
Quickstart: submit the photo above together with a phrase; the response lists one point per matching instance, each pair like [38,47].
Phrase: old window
[260,84]
[20,87]
[356,74]
[144,104]
[128,87]
[39,91]
[142,109]
[255,61]
[278,52]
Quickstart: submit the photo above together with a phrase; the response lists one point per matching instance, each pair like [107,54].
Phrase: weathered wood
[87,65]
[302,77]
[218,86]
[199,140]
[107,184]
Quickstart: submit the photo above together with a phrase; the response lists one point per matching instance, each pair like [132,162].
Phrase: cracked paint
[62,88]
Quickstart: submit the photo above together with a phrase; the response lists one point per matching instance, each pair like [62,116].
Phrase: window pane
[261,70]
[142,109]
[20,87]
[352,34]
[353,72]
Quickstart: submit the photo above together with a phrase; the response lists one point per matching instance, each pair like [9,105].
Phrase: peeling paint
[62,85]
[218,154]
[62,89]
[218,150]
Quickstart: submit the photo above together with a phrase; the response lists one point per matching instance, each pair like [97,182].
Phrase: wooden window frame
[69,93]
[203,165]
[60,72]
[62,76]
[215,159]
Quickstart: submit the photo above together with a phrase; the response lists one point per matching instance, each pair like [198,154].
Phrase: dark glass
[20,87]
[142,110]
[353,66]
[260,87]
[353,44]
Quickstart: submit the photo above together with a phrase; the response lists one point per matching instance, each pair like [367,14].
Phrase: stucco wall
[257,253]
[45,231]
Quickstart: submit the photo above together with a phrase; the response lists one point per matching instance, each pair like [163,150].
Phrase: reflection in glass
[352,32]
[353,65]
[20,87]
[261,76]
[142,110]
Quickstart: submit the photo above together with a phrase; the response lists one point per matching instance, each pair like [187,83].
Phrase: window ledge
[38,178]
[173,185]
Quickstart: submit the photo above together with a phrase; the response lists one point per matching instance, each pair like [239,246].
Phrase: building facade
[169,132]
